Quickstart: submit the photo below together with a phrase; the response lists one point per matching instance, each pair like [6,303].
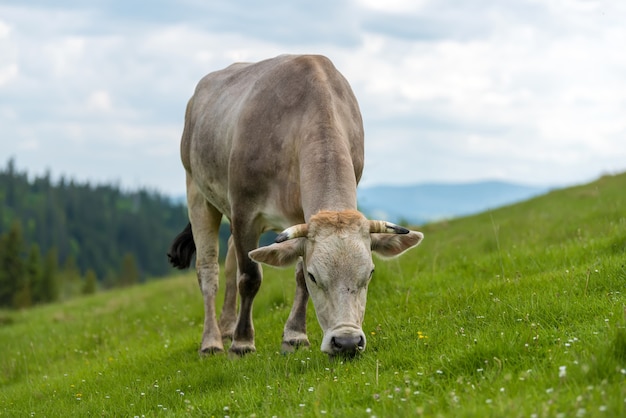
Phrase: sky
[527,91]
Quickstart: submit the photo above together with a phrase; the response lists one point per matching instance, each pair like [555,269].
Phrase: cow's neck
[327,178]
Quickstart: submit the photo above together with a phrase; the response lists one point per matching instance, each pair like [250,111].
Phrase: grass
[519,311]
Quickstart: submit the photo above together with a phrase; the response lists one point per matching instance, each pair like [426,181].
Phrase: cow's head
[336,248]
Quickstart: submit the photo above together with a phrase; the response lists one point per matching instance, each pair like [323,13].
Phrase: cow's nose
[347,344]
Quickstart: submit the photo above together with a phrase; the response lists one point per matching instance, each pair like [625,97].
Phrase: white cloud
[519,90]
[100,100]
[393,6]
[5,29]
[521,93]
[8,67]
[8,73]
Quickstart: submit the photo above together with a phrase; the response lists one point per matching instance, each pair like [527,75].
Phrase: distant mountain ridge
[423,203]
[427,202]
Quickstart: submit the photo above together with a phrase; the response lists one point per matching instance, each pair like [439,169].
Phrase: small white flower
[562,371]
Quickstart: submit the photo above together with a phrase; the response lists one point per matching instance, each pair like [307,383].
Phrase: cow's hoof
[240,350]
[211,350]
[289,346]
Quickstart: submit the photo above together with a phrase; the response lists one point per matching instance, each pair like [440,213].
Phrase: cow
[278,145]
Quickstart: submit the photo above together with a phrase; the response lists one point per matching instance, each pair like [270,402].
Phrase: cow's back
[248,127]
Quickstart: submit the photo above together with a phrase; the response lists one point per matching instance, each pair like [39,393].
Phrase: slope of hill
[423,203]
[518,311]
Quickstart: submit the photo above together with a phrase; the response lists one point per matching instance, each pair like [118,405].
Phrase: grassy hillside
[520,311]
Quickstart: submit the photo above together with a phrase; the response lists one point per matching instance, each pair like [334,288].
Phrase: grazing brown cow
[278,145]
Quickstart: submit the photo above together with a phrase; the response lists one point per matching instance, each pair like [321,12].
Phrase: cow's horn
[296,231]
[382,227]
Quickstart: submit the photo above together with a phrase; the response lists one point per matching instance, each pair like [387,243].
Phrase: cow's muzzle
[349,344]
[346,342]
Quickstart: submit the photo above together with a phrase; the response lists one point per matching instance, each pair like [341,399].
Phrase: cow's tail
[182,249]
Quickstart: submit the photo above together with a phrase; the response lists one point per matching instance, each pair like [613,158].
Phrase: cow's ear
[280,254]
[392,245]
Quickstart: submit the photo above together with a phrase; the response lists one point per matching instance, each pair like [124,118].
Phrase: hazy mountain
[426,202]
[423,203]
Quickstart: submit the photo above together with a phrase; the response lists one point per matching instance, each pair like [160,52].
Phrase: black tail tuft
[182,249]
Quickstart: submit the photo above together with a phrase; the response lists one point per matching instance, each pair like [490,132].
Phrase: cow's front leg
[248,283]
[294,334]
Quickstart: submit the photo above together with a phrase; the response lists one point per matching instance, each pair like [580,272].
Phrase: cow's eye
[312,278]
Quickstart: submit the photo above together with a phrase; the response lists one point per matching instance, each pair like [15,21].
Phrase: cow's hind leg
[205,223]
[228,317]
[294,334]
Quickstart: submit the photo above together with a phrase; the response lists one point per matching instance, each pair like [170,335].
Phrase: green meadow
[515,312]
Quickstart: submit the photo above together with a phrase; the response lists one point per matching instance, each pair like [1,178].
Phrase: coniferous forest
[62,238]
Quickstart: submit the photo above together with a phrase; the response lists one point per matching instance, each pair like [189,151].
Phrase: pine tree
[90,284]
[23,294]
[129,274]
[34,270]
[70,274]
[12,274]
[5,285]
[95,224]
[49,282]
[111,280]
